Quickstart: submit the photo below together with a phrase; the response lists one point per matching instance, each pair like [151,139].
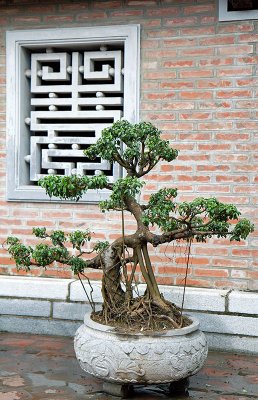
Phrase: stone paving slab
[37,367]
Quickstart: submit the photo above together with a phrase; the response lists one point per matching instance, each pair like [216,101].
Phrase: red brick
[73,7]
[142,3]
[236,49]
[180,21]
[214,189]
[58,18]
[194,136]
[207,126]
[178,105]
[178,64]
[252,189]
[162,75]
[247,82]
[216,61]
[174,126]
[243,26]
[204,73]
[198,157]
[245,252]
[212,168]
[246,60]
[159,54]
[207,30]
[211,272]
[234,71]
[217,40]
[207,20]
[229,263]
[247,104]
[160,117]
[180,42]
[165,270]
[163,12]
[165,280]
[160,96]
[197,9]
[27,19]
[211,105]
[229,94]
[232,136]
[233,284]
[211,251]
[177,85]
[161,33]
[233,115]
[196,178]
[106,4]
[196,52]
[195,95]
[214,83]
[91,15]
[245,38]
[231,178]
[193,282]
[213,147]
[126,13]
[170,168]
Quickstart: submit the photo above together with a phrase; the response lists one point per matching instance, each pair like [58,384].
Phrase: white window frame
[225,15]
[17,42]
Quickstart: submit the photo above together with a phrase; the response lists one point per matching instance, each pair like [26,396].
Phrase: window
[63,87]
[232,10]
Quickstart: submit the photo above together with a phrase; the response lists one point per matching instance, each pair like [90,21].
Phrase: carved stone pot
[122,358]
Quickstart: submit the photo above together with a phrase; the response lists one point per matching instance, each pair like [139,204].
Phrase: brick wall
[199,85]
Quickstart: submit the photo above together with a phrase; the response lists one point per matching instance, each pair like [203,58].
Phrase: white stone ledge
[38,326]
[229,324]
[217,310]
[243,302]
[36,308]
[70,311]
[77,293]
[197,298]
[223,342]
[30,287]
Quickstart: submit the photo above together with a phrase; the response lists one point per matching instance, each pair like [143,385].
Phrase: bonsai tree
[137,148]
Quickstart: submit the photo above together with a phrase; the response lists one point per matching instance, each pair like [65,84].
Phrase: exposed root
[142,315]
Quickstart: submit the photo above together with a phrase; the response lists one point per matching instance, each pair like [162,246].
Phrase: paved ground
[34,367]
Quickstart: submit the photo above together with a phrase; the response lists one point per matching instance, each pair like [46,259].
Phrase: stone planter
[121,358]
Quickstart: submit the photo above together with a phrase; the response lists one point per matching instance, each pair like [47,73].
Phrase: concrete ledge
[38,326]
[242,344]
[77,293]
[229,324]
[239,302]
[36,308]
[43,288]
[57,307]
[197,299]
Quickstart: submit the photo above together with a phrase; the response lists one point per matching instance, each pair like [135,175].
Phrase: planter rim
[171,332]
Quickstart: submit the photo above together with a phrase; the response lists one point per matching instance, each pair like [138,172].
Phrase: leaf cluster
[202,217]
[136,147]
[128,187]
[44,254]
[72,187]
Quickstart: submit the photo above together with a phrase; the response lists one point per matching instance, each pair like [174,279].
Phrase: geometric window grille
[233,10]
[63,88]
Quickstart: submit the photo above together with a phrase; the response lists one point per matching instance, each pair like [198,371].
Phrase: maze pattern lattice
[74,95]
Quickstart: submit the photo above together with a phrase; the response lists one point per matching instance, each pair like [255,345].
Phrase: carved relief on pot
[115,357]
